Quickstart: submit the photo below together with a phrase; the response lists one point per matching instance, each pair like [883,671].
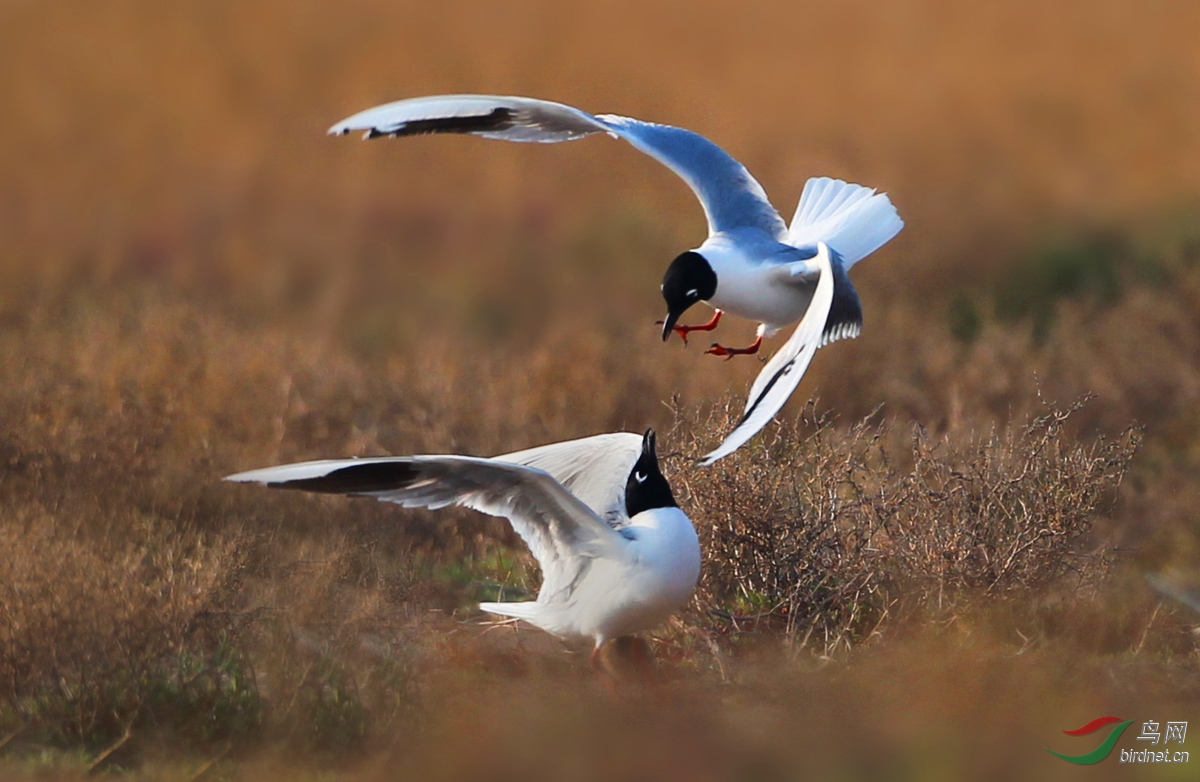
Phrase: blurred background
[195,280]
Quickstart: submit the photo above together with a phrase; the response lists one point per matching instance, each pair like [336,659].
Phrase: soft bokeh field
[919,576]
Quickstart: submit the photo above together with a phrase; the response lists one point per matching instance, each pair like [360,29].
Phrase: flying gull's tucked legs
[718,349]
[752,263]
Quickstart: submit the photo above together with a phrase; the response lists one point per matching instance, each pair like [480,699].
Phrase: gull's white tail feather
[853,220]
[529,610]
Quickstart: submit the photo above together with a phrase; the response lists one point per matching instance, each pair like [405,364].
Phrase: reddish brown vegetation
[193,281]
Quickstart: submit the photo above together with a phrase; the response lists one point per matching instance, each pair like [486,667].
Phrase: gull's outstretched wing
[731,197]
[779,378]
[594,469]
[562,532]
[490,116]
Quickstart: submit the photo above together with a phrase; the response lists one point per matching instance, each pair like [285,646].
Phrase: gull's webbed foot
[721,350]
[683,331]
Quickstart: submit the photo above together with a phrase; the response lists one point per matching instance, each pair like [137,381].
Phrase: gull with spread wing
[752,264]
[617,554]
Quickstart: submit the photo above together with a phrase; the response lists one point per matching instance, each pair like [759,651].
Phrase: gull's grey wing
[563,534]
[731,197]
[779,378]
[595,469]
[490,116]
[845,317]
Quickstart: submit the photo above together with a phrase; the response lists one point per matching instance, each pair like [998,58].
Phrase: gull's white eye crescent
[637,476]
[693,292]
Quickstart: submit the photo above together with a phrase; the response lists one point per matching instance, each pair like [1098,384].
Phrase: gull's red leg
[642,658]
[720,350]
[683,331]
[603,672]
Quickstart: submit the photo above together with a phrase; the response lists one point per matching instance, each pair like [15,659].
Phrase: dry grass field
[934,563]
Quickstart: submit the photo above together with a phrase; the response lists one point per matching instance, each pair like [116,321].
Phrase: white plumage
[854,220]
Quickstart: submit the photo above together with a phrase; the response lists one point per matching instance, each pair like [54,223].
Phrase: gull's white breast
[750,285]
[622,597]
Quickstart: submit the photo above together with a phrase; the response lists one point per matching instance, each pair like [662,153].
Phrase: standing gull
[752,264]
[617,554]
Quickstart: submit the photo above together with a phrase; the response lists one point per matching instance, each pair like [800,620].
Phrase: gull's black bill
[669,323]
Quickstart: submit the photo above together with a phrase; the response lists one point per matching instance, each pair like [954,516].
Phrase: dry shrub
[333,638]
[1008,514]
[99,635]
[825,531]
[199,640]
[126,400]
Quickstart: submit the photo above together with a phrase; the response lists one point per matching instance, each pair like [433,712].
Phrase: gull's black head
[646,487]
[688,279]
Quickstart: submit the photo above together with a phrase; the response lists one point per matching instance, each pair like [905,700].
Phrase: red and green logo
[1106,746]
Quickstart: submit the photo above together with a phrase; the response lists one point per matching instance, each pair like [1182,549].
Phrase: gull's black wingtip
[357,479]
[845,317]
